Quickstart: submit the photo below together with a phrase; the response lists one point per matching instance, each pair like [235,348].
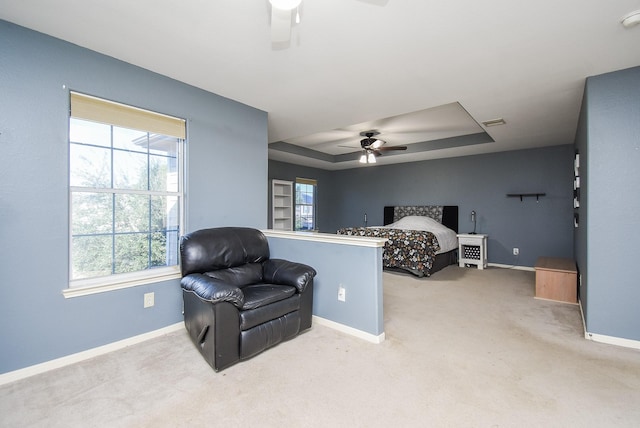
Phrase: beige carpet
[464,348]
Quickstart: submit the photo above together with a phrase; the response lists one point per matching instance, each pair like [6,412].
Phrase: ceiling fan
[282,17]
[373,147]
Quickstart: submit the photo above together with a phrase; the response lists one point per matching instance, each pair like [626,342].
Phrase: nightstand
[472,250]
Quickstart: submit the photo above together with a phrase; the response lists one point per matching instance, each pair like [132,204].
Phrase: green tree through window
[125,192]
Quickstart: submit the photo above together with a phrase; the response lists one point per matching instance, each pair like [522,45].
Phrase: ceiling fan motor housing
[367,142]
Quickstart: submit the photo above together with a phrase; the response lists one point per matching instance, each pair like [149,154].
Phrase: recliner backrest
[213,249]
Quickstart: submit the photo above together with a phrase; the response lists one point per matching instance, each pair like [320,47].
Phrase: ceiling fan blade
[387,149]
[376,2]
[280,25]
[377,144]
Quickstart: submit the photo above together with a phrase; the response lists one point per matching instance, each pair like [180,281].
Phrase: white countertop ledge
[359,241]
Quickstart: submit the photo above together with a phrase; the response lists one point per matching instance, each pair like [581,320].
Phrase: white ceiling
[355,65]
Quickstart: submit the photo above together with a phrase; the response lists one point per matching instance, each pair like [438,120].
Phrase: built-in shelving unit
[282,204]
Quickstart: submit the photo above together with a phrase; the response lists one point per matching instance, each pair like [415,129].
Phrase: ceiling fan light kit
[368,157]
[285,4]
[631,19]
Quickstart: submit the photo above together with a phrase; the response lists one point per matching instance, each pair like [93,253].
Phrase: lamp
[371,158]
[363,158]
[473,219]
[285,4]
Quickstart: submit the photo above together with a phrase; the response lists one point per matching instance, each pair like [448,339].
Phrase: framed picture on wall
[576,187]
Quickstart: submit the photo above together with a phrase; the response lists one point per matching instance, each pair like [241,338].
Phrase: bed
[421,239]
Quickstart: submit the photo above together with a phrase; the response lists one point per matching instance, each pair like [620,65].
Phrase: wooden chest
[556,279]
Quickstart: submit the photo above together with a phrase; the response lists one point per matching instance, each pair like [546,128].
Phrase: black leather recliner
[237,301]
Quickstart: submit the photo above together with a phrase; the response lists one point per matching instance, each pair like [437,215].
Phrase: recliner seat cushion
[258,295]
[250,273]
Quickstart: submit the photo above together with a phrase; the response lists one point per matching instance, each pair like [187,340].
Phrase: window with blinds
[126,192]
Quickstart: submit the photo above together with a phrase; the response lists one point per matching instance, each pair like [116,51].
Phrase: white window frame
[87,286]
[311,182]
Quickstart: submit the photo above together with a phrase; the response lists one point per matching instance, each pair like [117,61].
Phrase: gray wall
[480,183]
[609,144]
[227,180]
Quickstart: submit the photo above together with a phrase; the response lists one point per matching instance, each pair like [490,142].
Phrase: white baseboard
[499,265]
[349,330]
[36,369]
[85,355]
[609,340]
[584,323]
[612,340]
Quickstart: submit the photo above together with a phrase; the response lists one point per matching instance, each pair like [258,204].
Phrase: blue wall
[289,172]
[608,140]
[356,268]
[226,184]
[479,183]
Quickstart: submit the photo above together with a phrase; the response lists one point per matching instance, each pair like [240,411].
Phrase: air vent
[494,122]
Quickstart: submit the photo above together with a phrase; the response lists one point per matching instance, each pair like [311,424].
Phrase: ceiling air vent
[494,122]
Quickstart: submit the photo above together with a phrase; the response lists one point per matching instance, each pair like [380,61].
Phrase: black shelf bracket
[526,195]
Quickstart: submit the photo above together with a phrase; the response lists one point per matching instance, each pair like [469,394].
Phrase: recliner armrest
[284,272]
[212,290]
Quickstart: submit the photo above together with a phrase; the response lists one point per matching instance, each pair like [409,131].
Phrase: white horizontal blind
[112,113]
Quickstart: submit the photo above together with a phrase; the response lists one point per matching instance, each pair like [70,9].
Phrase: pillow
[447,238]
[416,222]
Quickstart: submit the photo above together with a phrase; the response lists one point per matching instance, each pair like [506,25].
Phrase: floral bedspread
[411,250]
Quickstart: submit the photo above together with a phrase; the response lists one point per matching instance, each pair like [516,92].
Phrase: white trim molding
[609,340]
[26,372]
[349,330]
[360,241]
[119,282]
[612,340]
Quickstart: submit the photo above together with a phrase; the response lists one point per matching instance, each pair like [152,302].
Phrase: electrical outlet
[149,300]
[516,251]
[342,294]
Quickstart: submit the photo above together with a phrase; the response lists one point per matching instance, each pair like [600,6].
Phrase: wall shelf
[526,195]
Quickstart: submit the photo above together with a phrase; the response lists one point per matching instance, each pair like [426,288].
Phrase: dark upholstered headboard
[445,214]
